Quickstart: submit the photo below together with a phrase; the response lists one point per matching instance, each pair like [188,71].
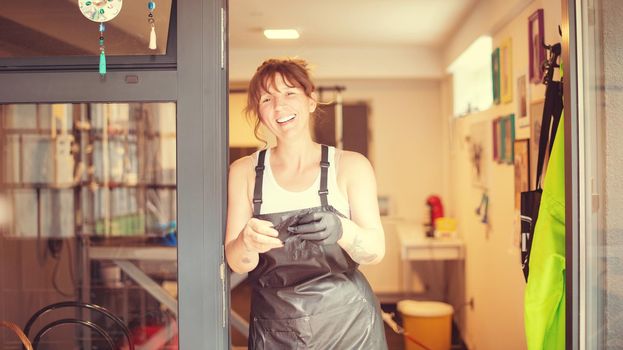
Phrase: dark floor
[240,297]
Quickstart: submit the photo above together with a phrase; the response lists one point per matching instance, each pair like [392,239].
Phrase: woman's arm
[245,237]
[363,237]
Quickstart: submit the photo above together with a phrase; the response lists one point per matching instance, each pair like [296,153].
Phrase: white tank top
[276,199]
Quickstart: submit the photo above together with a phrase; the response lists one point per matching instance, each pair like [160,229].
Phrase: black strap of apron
[324,170]
[552,110]
[323,192]
[257,189]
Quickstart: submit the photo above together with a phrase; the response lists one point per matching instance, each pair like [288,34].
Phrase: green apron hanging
[545,291]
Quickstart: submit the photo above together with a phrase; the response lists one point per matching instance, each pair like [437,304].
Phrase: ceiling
[321,23]
[330,23]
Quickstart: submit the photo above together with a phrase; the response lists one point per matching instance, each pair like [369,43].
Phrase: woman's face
[285,110]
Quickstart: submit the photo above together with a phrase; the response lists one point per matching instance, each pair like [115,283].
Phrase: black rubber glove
[287,221]
[323,227]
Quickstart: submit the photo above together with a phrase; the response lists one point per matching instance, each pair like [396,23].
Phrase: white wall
[346,62]
[406,153]
[492,265]
[405,123]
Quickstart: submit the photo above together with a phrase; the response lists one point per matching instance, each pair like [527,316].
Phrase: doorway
[418,143]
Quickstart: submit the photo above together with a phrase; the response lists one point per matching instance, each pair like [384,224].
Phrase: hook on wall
[551,63]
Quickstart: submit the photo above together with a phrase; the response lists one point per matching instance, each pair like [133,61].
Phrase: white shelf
[133,253]
[416,246]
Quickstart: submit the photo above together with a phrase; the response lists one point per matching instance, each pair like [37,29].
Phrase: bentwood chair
[18,331]
[86,323]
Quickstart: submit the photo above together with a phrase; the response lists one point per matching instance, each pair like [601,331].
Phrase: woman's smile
[286,119]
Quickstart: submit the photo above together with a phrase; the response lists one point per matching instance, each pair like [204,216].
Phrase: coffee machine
[436,211]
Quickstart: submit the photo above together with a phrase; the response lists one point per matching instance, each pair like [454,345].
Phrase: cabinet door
[355,133]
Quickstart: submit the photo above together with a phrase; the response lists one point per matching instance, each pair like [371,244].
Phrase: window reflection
[59,29]
[88,215]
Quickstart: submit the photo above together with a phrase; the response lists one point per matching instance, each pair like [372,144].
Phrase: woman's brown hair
[295,73]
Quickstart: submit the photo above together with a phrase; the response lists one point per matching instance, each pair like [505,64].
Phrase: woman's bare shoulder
[352,162]
[242,166]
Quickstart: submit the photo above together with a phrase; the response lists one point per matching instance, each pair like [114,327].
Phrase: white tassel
[152,38]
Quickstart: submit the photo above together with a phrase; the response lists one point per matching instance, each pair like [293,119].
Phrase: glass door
[89,195]
[101,202]
[600,246]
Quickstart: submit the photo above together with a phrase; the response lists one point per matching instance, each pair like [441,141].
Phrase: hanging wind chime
[150,19]
[100,11]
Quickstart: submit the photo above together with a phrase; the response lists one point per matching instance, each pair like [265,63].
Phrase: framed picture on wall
[495,127]
[536,48]
[521,98]
[498,144]
[522,169]
[509,139]
[522,122]
[495,74]
[506,71]
[536,117]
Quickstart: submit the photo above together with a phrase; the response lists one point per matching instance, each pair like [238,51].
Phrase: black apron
[306,295]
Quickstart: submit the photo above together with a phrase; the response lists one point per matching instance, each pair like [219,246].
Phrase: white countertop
[159,253]
[416,246]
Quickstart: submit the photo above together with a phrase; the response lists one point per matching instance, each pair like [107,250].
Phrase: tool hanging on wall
[100,11]
[151,5]
[483,208]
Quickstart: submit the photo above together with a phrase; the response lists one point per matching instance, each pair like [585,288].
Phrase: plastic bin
[429,322]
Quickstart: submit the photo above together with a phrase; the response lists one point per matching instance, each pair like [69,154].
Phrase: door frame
[572,174]
[198,85]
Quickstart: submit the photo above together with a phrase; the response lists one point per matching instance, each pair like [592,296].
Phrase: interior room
[119,121]
[401,66]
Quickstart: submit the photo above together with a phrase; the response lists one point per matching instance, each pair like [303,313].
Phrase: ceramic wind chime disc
[100,10]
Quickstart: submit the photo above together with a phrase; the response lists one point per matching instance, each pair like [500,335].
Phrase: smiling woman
[300,229]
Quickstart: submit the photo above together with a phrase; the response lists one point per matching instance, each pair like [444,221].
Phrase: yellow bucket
[429,322]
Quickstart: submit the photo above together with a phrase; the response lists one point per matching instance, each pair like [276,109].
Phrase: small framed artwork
[509,139]
[495,127]
[506,71]
[502,142]
[536,118]
[536,48]
[495,74]
[522,122]
[521,98]
[498,142]
[522,169]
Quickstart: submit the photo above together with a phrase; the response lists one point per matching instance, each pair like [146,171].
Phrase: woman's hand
[323,227]
[259,236]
